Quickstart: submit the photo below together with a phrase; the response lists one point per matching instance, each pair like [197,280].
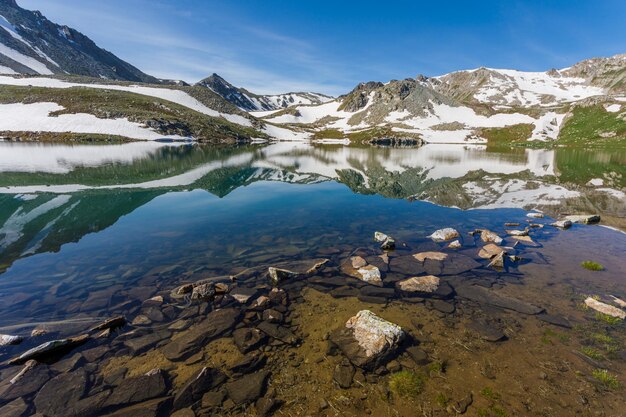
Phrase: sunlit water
[90,232]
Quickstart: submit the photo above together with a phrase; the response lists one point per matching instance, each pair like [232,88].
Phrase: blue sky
[274,46]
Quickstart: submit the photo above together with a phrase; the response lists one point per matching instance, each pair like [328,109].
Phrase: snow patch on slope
[36,117]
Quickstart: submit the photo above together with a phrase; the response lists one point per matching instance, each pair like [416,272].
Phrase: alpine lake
[157,279]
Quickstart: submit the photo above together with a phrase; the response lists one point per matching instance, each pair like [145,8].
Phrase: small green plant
[489,393]
[406,384]
[608,380]
[610,320]
[442,399]
[592,266]
[493,411]
[592,353]
[436,367]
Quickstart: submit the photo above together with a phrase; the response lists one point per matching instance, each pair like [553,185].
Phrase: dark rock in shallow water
[486,331]
[16,408]
[278,332]
[206,380]
[242,294]
[50,350]
[295,270]
[216,324]
[248,388]
[343,374]
[114,323]
[418,355]
[247,339]
[248,364]
[372,300]
[61,396]
[372,291]
[25,381]
[452,264]
[213,399]
[265,406]
[137,389]
[367,340]
[141,343]
[556,320]
[342,292]
[152,408]
[442,306]
[491,297]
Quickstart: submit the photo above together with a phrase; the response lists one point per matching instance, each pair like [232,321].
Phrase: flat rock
[144,342]
[6,340]
[603,308]
[152,408]
[371,291]
[32,378]
[562,224]
[248,388]
[138,389]
[435,256]
[16,408]
[556,320]
[242,294]
[487,296]
[486,331]
[452,264]
[217,323]
[490,250]
[60,395]
[442,306]
[248,364]
[205,380]
[367,340]
[419,356]
[490,237]
[584,218]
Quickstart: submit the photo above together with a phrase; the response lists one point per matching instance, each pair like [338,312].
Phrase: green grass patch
[442,400]
[592,266]
[592,353]
[502,135]
[406,384]
[489,393]
[608,380]
[593,126]
[329,134]
[493,411]
[610,320]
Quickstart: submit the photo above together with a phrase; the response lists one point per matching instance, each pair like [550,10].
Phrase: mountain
[584,103]
[248,101]
[31,44]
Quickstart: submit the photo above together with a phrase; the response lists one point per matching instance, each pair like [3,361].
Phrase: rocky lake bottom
[158,280]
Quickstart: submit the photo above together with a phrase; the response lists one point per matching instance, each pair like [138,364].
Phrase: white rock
[375,335]
[371,275]
[358,262]
[435,256]
[584,218]
[455,245]
[442,235]
[605,308]
[562,224]
[619,301]
[427,284]
[380,237]
[489,236]
[535,215]
[517,232]
[6,340]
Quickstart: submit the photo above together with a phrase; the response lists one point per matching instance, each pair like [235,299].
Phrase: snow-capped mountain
[469,106]
[248,101]
[31,44]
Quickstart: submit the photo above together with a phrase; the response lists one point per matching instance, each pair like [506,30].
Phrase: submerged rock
[343,374]
[247,339]
[205,380]
[605,308]
[248,388]
[371,275]
[112,324]
[486,331]
[357,267]
[294,270]
[216,324]
[6,340]
[367,340]
[584,218]
[50,349]
[278,332]
[138,389]
[445,234]
[26,382]
[452,264]
[516,232]
[486,296]
[204,292]
[490,250]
